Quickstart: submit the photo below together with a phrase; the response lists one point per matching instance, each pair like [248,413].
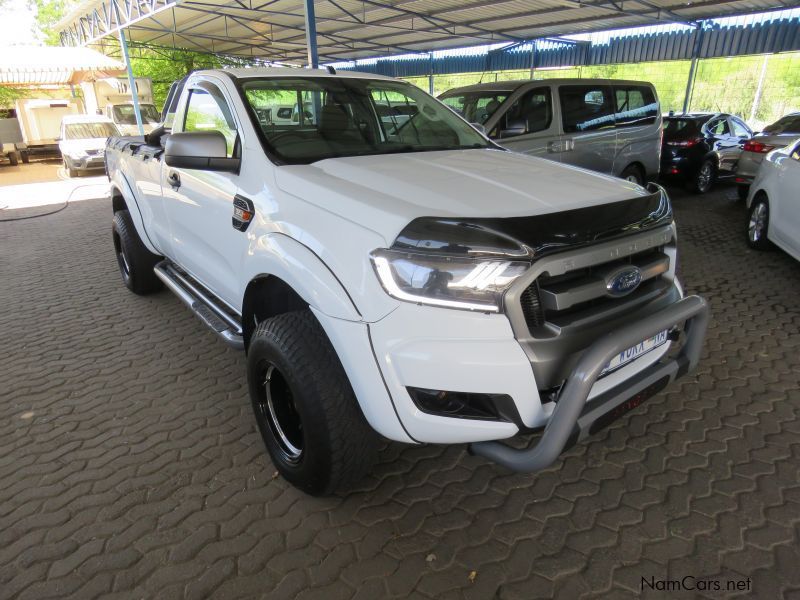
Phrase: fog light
[463,405]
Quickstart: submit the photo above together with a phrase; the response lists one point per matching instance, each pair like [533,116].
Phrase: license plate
[635,352]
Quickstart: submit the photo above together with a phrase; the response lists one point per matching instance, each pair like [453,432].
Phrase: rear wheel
[633,174]
[135,261]
[26,158]
[305,409]
[705,177]
[758,224]
[742,191]
[12,158]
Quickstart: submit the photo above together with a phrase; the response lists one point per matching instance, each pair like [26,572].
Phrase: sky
[16,24]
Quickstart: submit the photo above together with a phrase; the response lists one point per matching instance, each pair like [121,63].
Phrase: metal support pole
[311,35]
[131,81]
[759,90]
[430,73]
[533,57]
[693,68]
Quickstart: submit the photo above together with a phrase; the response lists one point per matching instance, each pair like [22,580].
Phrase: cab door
[528,124]
[199,203]
[589,136]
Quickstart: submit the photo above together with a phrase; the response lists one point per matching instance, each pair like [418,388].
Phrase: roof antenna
[331,70]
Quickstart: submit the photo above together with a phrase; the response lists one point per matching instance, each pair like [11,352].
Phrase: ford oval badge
[624,281]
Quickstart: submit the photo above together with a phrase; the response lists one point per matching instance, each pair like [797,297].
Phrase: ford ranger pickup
[389,271]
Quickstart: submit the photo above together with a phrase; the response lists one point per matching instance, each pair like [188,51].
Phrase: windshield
[476,107]
[788,124]
[124,115]
[335,117]
[84,131]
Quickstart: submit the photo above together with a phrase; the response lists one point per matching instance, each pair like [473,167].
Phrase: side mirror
[514,128]
[200,150]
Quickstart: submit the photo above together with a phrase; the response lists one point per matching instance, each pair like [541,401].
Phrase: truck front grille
[570,299]
[581,296]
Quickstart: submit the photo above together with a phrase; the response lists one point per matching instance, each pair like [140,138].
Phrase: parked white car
[774,202]
[83,142]
[397,272]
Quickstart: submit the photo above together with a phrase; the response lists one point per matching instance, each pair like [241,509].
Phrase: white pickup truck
[387,268]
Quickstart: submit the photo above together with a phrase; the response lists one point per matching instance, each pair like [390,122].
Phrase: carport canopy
[28,66]
[276,30]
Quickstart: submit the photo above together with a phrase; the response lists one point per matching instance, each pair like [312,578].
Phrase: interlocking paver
[131,467]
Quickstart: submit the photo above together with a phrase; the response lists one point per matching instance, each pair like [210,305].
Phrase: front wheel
[758,224]
[305,409]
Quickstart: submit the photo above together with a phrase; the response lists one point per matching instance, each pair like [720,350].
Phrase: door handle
[561,146]
[174,180]
[554,147]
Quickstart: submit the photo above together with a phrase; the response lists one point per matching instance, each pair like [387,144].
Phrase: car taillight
[685,143]
[757,147]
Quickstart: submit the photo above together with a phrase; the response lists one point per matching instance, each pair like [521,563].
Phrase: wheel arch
[117,200]
[267,296]
[638,165]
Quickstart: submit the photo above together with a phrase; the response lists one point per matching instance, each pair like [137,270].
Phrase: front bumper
[574,418]
[86,163]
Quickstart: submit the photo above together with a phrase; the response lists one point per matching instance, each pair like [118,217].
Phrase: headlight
[453,282]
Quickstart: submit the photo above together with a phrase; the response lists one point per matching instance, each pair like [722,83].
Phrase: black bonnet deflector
[533,237]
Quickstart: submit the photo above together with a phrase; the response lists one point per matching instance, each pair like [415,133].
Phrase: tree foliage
[48,13]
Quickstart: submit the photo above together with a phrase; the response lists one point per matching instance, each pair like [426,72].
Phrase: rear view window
[635,105]
[679,128]
[586,107]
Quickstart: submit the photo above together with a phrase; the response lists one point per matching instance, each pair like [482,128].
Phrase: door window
[531,112]
[740,130]
[635,105]
[208,111]
[586,108]
[719,127]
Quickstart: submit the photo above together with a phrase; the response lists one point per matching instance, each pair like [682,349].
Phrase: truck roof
[511,85]
[67,119]
[290,72]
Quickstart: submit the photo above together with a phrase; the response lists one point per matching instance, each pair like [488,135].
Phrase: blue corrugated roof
[718,40]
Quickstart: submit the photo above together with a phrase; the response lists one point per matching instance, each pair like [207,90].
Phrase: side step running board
[202,303]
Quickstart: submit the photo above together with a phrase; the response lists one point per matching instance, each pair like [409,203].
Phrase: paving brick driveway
[130,466]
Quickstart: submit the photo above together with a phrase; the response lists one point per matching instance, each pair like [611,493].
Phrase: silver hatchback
[607,125]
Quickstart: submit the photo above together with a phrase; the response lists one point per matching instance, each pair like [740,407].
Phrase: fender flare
[277,254]
[120,185]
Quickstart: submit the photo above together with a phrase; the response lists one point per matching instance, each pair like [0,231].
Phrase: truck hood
[385,192]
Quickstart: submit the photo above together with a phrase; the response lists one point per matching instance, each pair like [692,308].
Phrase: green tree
[48,13]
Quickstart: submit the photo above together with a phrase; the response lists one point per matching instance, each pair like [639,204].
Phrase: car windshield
[124,114]
[336,116]
[89,130]
[476,107]
[787,124]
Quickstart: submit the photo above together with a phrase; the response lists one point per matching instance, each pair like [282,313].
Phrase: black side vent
[532,306]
